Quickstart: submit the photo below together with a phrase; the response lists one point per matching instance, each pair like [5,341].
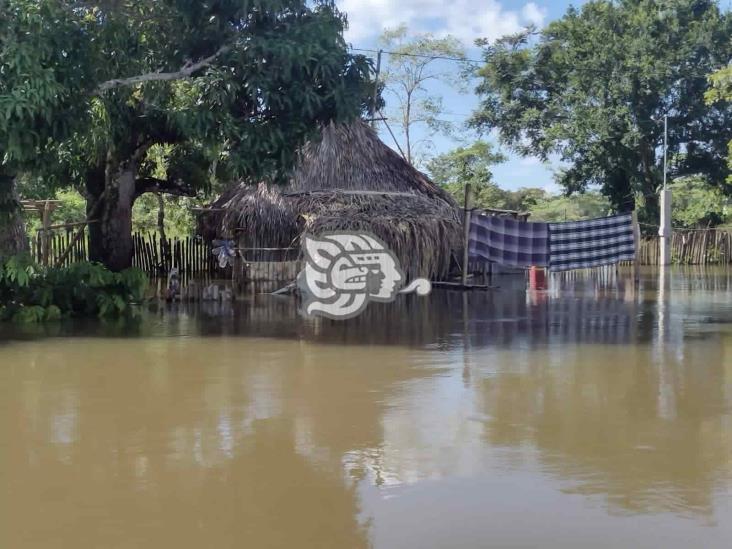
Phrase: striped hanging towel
[591,243]
[508,242]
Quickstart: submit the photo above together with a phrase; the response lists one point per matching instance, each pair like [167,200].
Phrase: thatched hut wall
[349,180]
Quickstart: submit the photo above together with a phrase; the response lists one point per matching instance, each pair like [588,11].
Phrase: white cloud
[533,14]
[464,19]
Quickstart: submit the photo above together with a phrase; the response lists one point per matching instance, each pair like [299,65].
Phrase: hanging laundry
[508,242]
[592,243]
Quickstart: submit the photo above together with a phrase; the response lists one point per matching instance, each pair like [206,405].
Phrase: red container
[537,278]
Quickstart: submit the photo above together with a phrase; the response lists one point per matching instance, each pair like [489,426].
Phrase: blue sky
[466,20]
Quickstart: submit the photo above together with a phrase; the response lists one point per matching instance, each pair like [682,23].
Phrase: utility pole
[466,233]
[376,88]
[664,230]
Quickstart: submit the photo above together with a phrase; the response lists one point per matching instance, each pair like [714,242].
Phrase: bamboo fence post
[636,241]
[46,221]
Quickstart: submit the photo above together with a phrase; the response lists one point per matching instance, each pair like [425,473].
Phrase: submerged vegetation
[31,293]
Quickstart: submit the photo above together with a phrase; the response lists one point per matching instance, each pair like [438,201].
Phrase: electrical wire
[477,62]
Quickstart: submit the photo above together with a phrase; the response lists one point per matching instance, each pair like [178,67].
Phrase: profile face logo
[345,271]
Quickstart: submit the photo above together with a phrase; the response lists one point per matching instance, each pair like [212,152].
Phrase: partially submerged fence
[49,250]
[194,258]
[691,247]
[190,255]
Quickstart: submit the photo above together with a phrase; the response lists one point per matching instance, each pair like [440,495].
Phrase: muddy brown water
[592,415]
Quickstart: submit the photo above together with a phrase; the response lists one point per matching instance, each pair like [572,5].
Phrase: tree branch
[185,71]
[166,186]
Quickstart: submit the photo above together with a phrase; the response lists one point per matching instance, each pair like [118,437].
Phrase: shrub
[29,293]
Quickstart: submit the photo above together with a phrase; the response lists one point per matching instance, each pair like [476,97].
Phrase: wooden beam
[461,286]
[69,225]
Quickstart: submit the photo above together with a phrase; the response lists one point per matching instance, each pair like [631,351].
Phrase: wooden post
[664,231]
[46,220]
[636,238]
[376,89]
[466,233]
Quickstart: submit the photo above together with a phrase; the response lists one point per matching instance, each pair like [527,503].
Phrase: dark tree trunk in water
[110,238]
[13,239]
[111,193]
[161,229]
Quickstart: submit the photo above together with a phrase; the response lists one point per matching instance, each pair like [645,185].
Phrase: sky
[465,20]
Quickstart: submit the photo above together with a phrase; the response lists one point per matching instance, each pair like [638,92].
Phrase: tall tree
[237,85]
[721,91]
[454,169]
[595,85]
[42,71]
[413,64]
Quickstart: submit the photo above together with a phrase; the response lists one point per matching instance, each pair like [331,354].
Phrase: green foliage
[406,73]
[71,207]
[586,205]
[721,91]
[33,294]
[276,69]
[179,220]
[43,69]
[92,91]
[17,270]
[472,164]
[720,86]
[465,165]
[593,87]
[698,204]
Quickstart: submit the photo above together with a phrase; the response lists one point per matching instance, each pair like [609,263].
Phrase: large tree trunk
[110,237]
[165,248]
[13,239]
[109,202]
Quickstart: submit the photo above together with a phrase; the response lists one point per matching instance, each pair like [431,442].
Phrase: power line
[475,61]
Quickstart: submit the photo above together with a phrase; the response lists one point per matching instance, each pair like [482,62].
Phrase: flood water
[592,415]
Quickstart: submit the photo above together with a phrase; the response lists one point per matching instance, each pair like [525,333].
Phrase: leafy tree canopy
[595,85]
[721,91]
[696,204]
[585,205]
[471,164]
[113,90]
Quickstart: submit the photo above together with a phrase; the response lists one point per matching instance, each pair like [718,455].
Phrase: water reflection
[598,400]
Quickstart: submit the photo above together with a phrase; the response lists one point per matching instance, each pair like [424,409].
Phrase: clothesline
[562,246]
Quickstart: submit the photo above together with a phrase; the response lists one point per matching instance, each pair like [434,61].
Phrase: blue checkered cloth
[508,242]
[592,243]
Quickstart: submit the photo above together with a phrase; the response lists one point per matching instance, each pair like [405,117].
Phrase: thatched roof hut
[347,180]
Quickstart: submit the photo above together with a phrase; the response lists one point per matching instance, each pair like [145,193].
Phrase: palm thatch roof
[347,180]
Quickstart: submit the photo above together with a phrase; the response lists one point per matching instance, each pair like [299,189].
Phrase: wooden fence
[194,258]
[58,243]
[191,256]
[691,247]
